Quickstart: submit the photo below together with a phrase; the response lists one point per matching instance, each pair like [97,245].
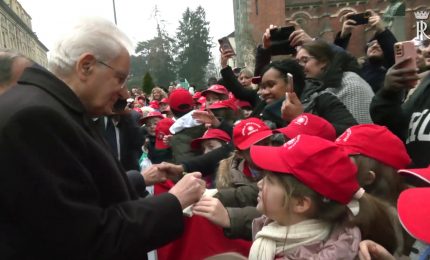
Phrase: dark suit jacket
[130,141]
[62,194]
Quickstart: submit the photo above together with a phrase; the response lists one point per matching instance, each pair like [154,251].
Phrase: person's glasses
[122,77]
[304,59]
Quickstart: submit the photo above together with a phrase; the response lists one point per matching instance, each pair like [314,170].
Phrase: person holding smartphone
[379,49]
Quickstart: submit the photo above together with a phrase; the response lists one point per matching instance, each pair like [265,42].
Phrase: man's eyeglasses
[304,59]
[122,77]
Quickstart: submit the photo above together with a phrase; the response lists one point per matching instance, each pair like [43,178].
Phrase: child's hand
[212,209]
[207,118]
[371,250]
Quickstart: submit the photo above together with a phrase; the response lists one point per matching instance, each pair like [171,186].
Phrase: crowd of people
[320,155]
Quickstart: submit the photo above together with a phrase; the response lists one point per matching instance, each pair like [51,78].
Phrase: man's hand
[153,175]
[207,118]
[370,250]
[225,56]
[398,78]
[189,189]
[291,107]
[212,209]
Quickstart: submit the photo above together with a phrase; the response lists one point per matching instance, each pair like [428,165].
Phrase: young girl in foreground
[309,197]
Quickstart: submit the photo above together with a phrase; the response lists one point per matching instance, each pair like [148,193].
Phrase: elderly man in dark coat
[63,195]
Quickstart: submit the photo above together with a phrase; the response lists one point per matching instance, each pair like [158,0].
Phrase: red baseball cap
[250,131]
[316,162]
[309,124]
[376,142]
[422,173]
[154,104]
[197,95]
[201,100]
[164,101]
[161,130]
[138,110]
[218,89]
[181,100]
[228,103]
[243,104]
[413,207]
[212,133]
[150,115]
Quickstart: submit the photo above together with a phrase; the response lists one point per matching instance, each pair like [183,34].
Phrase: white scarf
[274,238]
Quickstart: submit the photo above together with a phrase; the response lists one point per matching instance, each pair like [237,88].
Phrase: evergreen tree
[157,53]
[148,83]
[193,46]
[137,70]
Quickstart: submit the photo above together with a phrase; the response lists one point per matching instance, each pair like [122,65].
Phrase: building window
[256,7]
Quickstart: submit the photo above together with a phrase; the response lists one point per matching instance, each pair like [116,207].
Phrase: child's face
[150,125]
[271,198]
[246,112]
[212,98]
[210,145]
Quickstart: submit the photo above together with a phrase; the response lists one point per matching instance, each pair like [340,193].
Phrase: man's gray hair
[7,58]
[95,35]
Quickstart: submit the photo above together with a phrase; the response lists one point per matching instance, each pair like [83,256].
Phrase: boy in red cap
[215,93]
[185,129]
[212,139]
[238,168]
[163,104]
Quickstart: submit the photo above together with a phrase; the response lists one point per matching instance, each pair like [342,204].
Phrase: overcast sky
[134,17]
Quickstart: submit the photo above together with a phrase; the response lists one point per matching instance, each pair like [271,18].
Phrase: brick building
[320,18]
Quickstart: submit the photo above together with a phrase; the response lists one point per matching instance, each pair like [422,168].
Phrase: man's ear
[85,65]
[301,205]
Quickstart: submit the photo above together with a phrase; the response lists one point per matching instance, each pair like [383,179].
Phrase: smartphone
[225,44]
[404,50]
[281,33]
[290,88]
[361,18]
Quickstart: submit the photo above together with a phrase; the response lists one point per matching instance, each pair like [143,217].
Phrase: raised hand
[225,56]
[291,107]
[348,24]
[375,22]
[266,41]
[299,37]
[207,118]
[399,78]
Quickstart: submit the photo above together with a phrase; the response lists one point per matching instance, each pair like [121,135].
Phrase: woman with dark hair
[267,102]
[309,94]
[336,71]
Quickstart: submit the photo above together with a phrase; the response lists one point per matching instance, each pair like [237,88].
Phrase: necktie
[111,136]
